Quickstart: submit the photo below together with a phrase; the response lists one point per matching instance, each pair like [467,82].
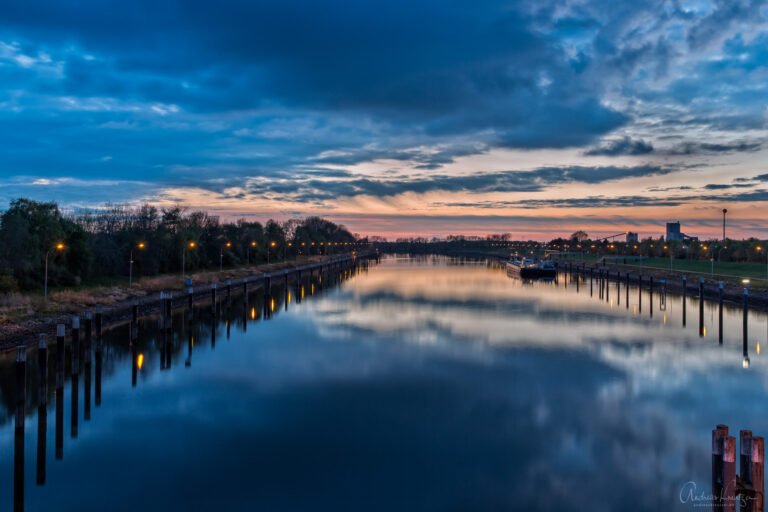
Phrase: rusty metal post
[729,474]
[756,475]
[718,435]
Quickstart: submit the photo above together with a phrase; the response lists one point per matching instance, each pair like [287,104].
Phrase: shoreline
[678,283]
[26,330]
[671,280]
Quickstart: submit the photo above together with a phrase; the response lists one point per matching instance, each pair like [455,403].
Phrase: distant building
[673,232]
[632,238]
[675,235]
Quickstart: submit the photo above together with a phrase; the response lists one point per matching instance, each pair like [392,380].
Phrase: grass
[729,271]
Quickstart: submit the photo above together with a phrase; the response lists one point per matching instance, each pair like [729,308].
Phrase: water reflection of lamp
[190,345]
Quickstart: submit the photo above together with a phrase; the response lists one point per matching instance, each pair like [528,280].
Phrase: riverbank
[670,280]
[25,316]
[681,283]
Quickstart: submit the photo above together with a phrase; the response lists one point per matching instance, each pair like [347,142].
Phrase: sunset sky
[395,118]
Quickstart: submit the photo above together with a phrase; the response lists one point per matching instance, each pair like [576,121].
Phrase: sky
[395,118]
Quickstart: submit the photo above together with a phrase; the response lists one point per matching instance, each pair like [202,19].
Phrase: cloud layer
[304,103]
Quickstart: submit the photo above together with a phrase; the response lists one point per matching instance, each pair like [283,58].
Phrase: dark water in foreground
[421,385]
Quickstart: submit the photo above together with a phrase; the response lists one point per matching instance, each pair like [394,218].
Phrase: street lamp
[271,244]
[759,249]
[190,245]
[140,246]
[58,247]
[228,245]
[725,210]
[252,245]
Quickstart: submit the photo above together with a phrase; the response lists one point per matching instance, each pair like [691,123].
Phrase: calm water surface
[423,384]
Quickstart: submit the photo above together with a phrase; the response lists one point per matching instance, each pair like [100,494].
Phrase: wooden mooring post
[728,488]
[99,321]
[701,307]
[626,289]
[42,408]
[745,327]
[60,332]
[720,313]
[650,296]
[18,449]
[685,298]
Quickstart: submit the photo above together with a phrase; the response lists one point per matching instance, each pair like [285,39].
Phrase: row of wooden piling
[86,347]
[603,277]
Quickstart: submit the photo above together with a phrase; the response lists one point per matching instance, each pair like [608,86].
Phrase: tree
[579,236]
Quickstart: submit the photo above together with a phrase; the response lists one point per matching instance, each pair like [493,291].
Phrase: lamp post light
[189,245]
[59,247]
[228,245]
[271,244]
[140,246]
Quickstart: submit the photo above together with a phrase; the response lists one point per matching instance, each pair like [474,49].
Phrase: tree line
[750,250]
[98,245]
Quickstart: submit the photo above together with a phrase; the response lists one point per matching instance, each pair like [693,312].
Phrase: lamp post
[759,249]
[189,245]
[271,244]
[140,246]
[228,245]
[252,245]
[725,210]
[58,247]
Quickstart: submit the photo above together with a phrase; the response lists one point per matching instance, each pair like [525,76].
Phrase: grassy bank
[17,308]
[733,272]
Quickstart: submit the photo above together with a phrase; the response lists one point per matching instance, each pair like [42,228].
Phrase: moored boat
[530,269]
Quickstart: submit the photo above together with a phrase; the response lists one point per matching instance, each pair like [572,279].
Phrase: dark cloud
[508,181]
[695,148]
[726,186]
[621,147]
[434,67]
[620,201]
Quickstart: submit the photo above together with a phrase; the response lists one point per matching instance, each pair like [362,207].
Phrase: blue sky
[394,117]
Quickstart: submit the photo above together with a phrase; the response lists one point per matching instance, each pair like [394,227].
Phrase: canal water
[421,384]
